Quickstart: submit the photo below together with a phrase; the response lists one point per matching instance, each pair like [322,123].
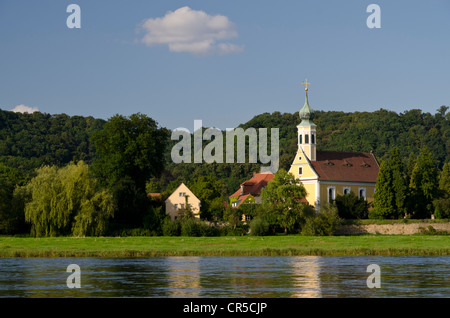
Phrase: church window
[300,170]
[306,139]
[300,139]
[362,193]
[347,190]
[331,194]
[312,139]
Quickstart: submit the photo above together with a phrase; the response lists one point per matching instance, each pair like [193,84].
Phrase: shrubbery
[259,226]
[188,227]
[349,206]
[324,223]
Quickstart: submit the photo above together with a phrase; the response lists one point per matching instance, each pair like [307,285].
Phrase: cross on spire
[306,84]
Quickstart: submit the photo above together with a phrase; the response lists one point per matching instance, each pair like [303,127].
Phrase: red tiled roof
[346,166]
[240,200]
[255,184]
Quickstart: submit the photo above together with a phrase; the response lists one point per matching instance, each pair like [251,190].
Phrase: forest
[121,159]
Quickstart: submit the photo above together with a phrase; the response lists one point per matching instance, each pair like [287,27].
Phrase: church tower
[326,174]
[307,129]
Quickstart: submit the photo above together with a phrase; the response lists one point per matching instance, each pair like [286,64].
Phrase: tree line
[62,175]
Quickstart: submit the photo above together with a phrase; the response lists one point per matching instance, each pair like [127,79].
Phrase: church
[326,174]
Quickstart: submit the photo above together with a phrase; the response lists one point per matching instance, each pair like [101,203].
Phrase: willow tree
[67,201]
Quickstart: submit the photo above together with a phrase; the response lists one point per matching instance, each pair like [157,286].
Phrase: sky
[222,61]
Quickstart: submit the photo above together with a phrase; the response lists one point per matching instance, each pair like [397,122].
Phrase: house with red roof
[325,174]
[250,190]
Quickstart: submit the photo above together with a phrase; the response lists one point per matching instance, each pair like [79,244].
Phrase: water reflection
[183,276]
[306,277]
[311,277]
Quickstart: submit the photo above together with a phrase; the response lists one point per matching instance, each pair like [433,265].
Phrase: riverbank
[289,245]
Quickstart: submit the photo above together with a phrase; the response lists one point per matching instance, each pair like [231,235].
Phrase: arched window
[300,139]
[331,194]
[362,193]
[313,139]
[306,138]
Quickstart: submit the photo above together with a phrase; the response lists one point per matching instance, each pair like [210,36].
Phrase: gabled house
[250,190]
[181,199]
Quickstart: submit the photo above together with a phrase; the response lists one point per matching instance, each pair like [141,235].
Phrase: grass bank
[290,245]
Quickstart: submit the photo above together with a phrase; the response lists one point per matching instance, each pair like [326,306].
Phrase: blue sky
[255,63]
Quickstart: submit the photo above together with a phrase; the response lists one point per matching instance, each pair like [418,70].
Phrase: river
[256,277]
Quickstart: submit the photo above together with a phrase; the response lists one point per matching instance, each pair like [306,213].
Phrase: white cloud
[24,109]
[191,31]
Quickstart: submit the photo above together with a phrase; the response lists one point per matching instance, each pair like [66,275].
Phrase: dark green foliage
[232,216]
[12,215]
[399,186]
[211,193]
[259,226]
[281,200]
[129,151]
[251,209]
[129,147]
[171,228]
[423,185]
[154,218]
[390,199]
[351,207]
[442,203]
[28,141]
[429,230]
[324,223]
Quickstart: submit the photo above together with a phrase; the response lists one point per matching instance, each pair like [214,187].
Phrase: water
[258,277]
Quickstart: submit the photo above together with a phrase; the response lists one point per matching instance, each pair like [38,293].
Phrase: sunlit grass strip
[291,245]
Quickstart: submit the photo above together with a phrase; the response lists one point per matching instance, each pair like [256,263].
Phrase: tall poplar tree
[423,185]
[399,186]
[442,204]
[384,200]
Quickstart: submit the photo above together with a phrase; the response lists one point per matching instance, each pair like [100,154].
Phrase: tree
[399,187]
[129,152]
[282,199]
[12,217]
[67,201]
[6,192]
[423,185]
[325,223]
[442,203]
[383,201]
[232,216]
[209,191]
[129,147]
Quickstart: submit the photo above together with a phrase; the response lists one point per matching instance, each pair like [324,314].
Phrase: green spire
[306,113]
